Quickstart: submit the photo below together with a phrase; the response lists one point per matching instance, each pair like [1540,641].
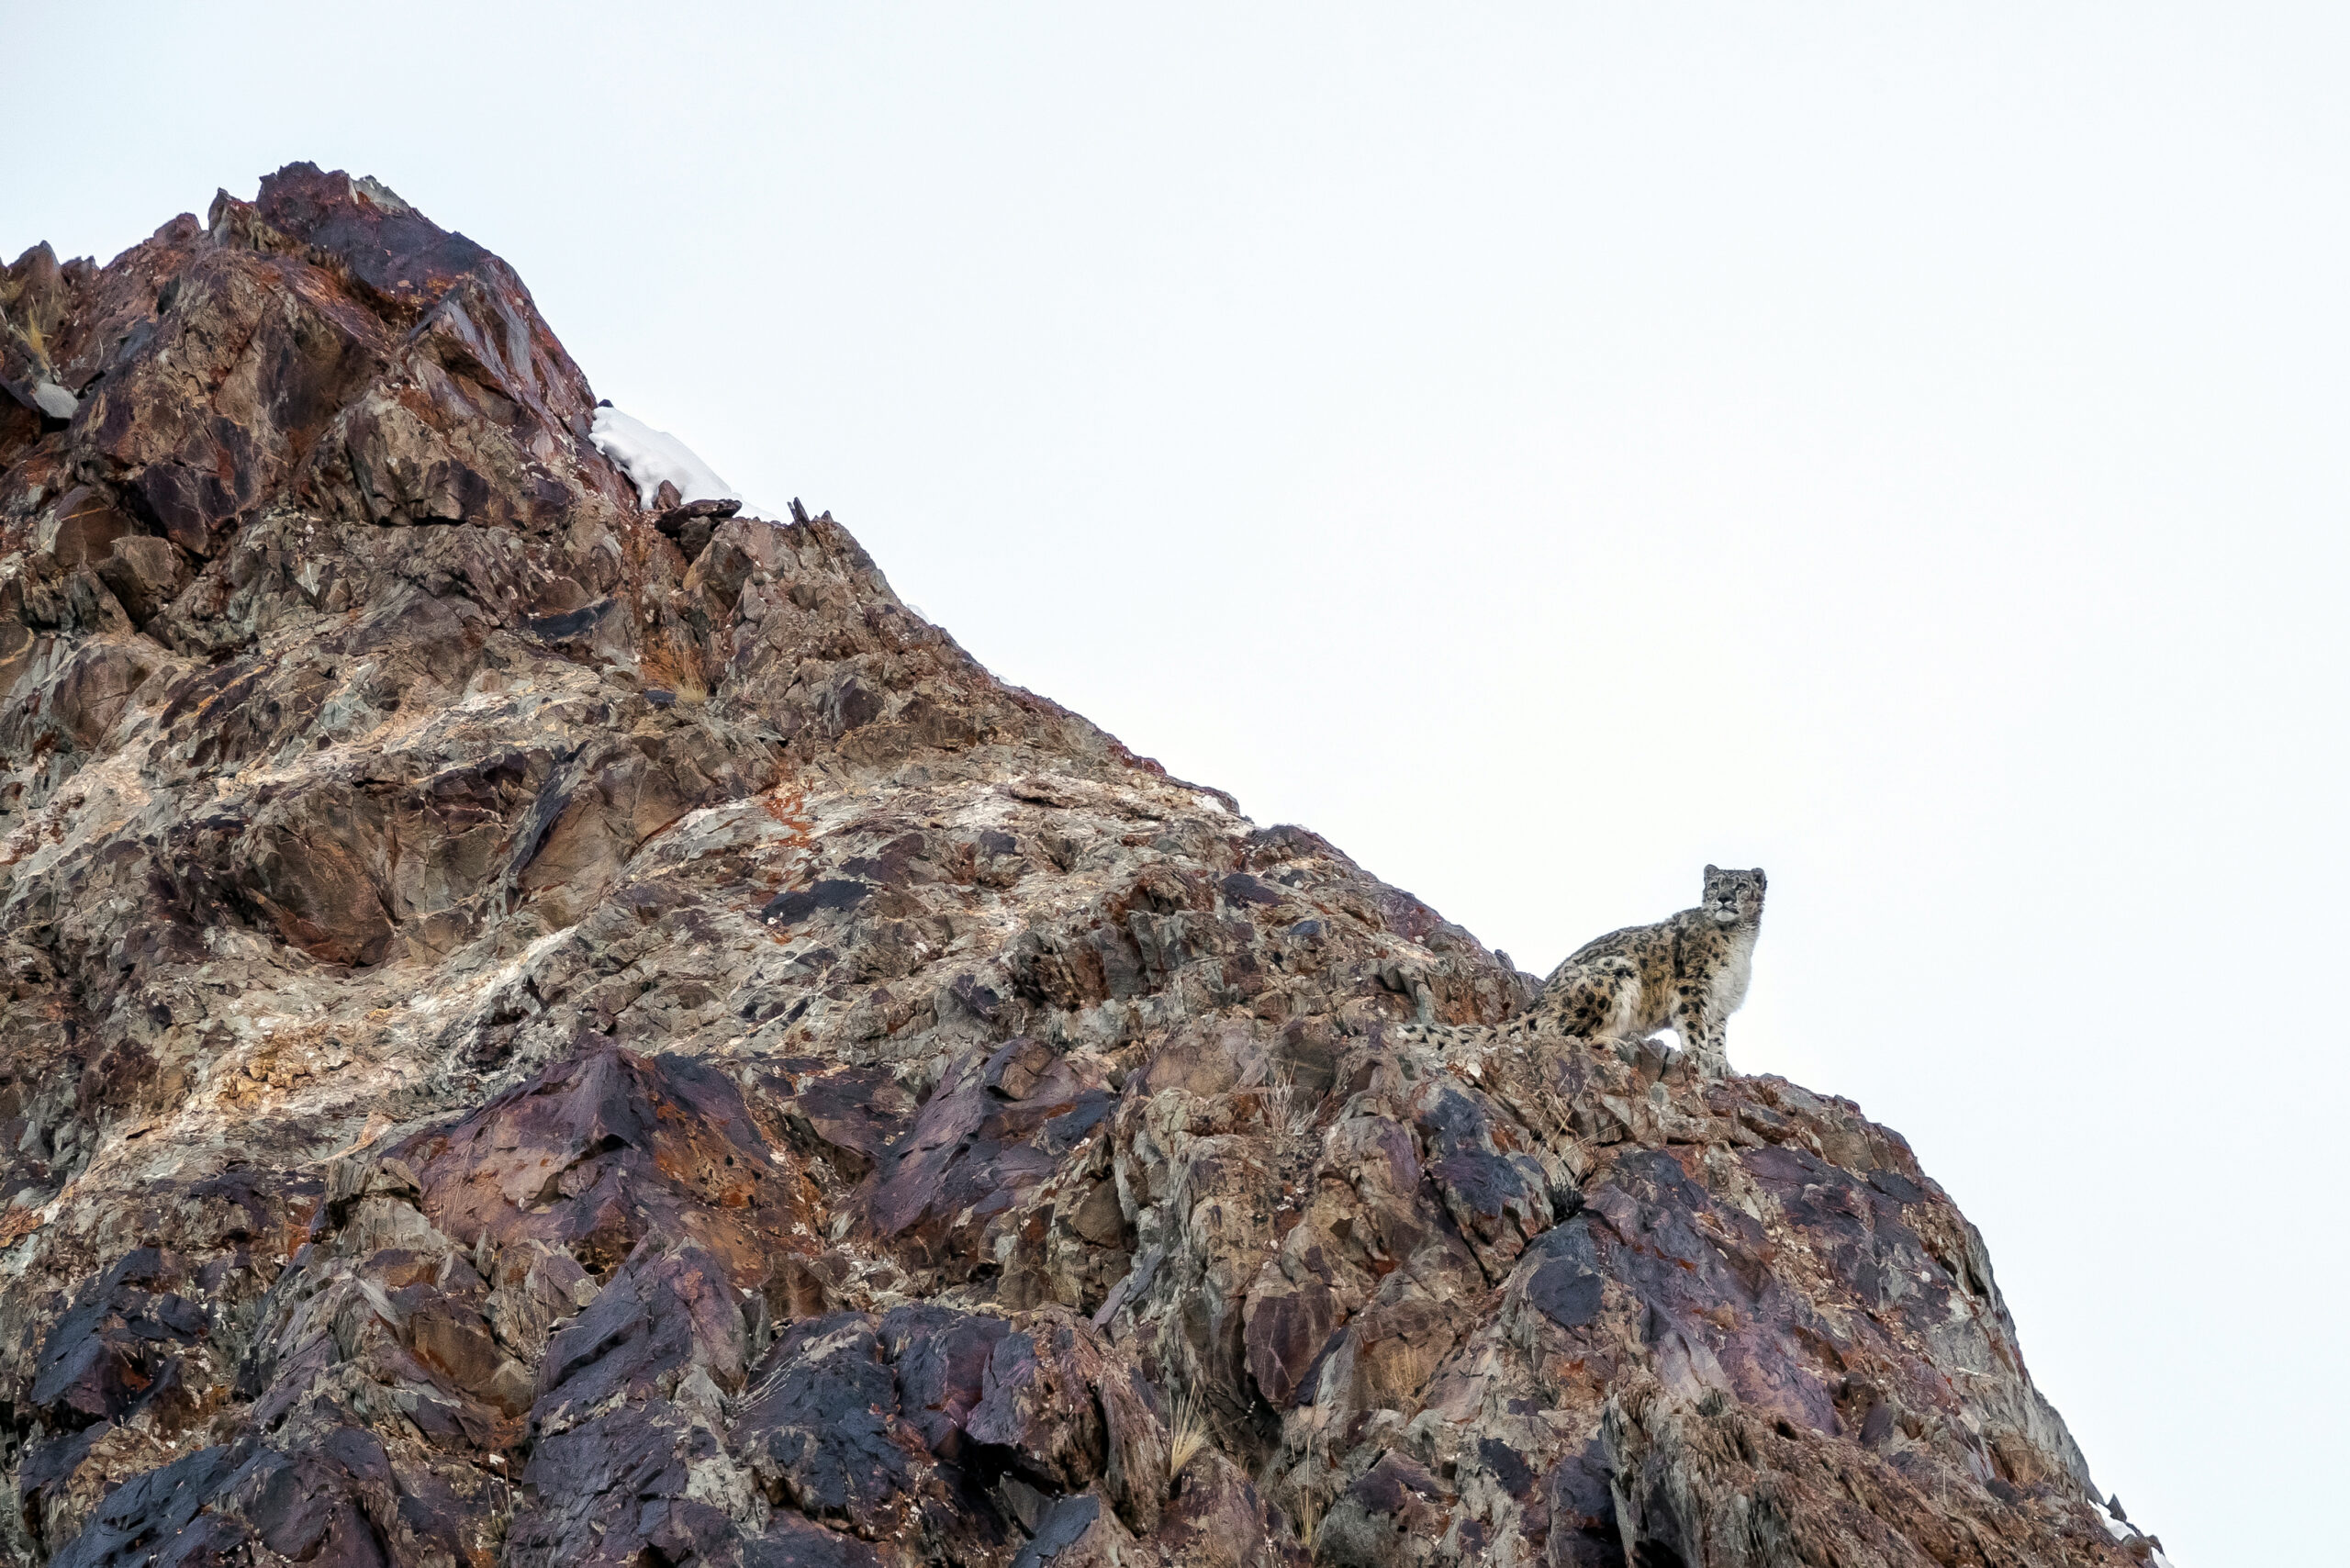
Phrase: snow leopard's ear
[1712,871]
[1761,881]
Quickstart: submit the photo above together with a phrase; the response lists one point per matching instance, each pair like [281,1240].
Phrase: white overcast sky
[1545,450]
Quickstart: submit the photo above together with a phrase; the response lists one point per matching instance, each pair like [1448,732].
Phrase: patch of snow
[650,457]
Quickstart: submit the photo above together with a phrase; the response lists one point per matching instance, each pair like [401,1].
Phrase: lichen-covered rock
[548,1030]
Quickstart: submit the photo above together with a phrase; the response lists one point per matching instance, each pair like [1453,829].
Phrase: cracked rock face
[544,1031]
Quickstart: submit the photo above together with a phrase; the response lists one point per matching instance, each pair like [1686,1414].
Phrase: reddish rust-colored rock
[544,1029]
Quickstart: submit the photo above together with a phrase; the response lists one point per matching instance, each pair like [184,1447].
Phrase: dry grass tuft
[1279,1099]
[1309,1521]
[1303,1495]
[1289,1109]
[1187,1435]
[1302,1118]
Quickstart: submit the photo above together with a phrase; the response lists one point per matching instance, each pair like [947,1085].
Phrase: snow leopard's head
[1733,898]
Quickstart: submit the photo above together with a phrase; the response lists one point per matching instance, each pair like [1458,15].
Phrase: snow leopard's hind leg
[1599,1001]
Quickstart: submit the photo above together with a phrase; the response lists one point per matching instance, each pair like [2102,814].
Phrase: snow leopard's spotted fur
[1687,974]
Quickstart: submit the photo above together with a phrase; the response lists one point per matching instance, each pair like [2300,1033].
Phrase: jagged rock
[548,1029]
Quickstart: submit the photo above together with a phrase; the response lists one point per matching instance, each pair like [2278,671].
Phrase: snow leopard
[1688,974]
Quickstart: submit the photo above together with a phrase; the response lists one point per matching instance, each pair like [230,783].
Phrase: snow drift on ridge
[650,457]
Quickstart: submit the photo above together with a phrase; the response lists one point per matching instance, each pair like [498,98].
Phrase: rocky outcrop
[546,1029]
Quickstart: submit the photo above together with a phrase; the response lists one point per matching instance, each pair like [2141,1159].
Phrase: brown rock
[543,1030]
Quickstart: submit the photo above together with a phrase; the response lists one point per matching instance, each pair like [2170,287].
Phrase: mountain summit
[557,1022]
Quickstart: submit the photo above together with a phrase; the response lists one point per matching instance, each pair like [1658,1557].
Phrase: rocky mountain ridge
[546,1028]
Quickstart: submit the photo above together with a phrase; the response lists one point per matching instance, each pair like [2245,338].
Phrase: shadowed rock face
[524,1043]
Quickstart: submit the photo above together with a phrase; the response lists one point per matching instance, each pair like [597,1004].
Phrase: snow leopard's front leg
[1701,1030]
